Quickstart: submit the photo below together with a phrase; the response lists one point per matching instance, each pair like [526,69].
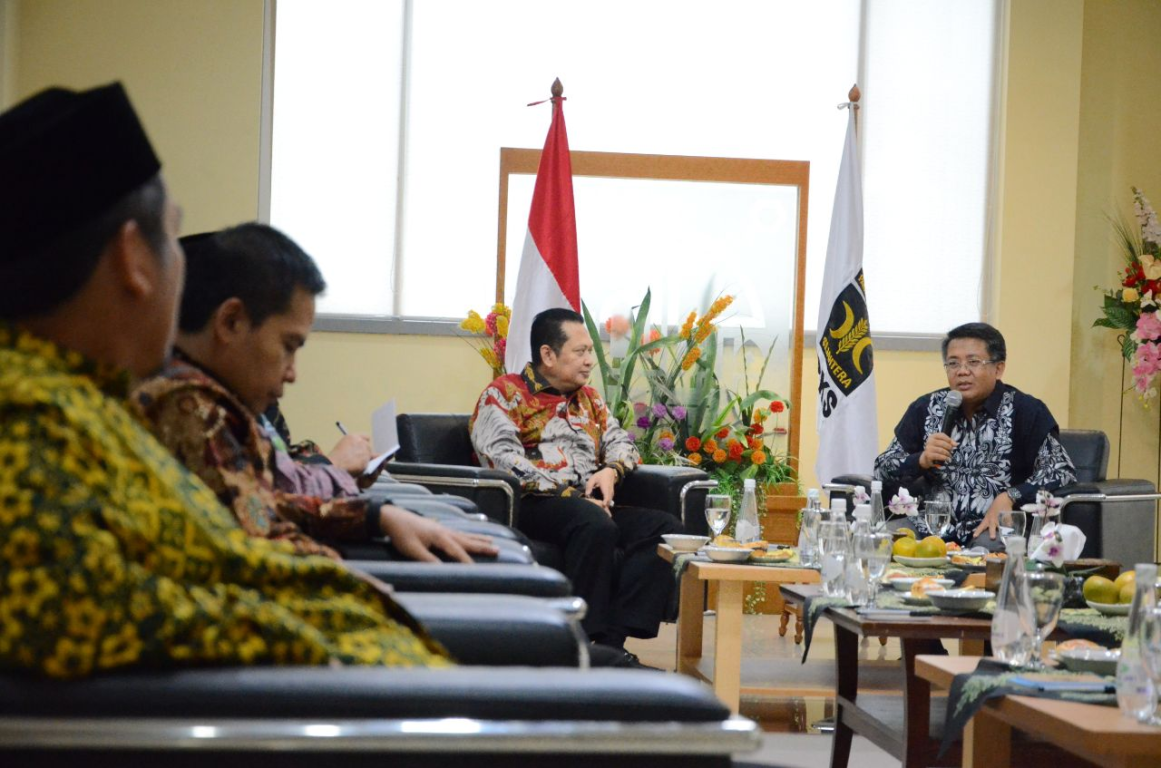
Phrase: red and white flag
[549,276]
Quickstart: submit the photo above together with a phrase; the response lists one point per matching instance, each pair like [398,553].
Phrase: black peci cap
[66,157]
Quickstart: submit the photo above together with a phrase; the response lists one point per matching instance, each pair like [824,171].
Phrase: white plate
[727,554]
[961,599]
[904,584]
[921,562]
[1110,609]
[684,542]
[1100,661]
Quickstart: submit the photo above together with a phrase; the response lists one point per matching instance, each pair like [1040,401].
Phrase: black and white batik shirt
[1011,442]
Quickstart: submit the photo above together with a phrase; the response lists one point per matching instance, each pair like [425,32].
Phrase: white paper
[384,436]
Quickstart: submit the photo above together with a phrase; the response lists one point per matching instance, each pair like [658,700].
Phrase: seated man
[1003,445]
[247,308]
[111,553]
[556,435]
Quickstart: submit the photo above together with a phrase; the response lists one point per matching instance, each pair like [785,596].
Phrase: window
[389,118]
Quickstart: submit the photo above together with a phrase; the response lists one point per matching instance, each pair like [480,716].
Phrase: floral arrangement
[1134,308]
[903,503]
[491,335]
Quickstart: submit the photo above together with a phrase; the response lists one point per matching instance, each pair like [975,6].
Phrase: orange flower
[687,327]
[710,446]
[759,416]
[720,456]
[723,433]
[753,442]
[758,457]
[690,358]
[703,333]
[715,309]
[692,444]
[777,406]
[665,434]
[736,450]
[654,335]
[731,443]
[695,458]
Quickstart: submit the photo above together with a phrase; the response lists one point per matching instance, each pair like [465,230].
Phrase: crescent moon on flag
[846,326]
[857,352]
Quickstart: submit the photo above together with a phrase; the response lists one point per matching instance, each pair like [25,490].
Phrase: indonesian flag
[549,276]
[848,429]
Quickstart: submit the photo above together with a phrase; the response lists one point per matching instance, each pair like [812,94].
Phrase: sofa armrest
[495,492]
[496,578]
[659,487]
[499,630]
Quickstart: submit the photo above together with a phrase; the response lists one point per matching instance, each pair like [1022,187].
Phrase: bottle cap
[749,484]
[812,493]
[876,485]
[838,505]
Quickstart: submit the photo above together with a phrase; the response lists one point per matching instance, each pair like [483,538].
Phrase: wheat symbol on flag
[549,276]
[847,414]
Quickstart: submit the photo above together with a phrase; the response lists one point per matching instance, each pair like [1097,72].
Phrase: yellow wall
[1077,125]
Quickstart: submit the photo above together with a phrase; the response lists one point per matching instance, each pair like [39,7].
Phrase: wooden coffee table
[730,580]
[1101,735]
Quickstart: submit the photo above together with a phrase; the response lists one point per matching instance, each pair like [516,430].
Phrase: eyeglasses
[973,365]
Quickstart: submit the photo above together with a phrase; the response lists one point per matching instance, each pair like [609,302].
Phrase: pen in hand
[342,429]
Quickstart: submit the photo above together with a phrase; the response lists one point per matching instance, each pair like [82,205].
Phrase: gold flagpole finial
[855,94]
[557,89]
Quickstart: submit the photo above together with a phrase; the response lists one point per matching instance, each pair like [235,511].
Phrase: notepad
[1087,684]
[384,437]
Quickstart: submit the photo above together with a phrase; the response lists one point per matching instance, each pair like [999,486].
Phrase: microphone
[952,403]
[951,407]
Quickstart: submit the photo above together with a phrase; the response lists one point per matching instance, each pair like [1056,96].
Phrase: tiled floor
[770,661]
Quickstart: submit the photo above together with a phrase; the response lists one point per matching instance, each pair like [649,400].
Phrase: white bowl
[903,584]
[1097,660]
[961,599]
[921,562]
[1110,609]
[727,554]
[910,599]
[684,542]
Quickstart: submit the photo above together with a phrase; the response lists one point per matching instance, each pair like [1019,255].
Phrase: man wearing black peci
[990,455]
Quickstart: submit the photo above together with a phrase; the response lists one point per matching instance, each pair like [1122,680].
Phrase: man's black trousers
[612,562]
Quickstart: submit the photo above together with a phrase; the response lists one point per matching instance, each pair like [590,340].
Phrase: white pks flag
[847,418]
[549,276]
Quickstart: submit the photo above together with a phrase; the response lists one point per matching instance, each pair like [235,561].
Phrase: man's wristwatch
[1015,495]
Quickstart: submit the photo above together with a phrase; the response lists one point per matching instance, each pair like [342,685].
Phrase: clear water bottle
[878,511]
[1136,695]
[748,528]
[838,510]
[1013,623]
[858,584]
[808,528]
[833,550]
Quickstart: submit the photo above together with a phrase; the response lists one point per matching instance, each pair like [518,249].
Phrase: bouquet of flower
[491,336]
[1134,307]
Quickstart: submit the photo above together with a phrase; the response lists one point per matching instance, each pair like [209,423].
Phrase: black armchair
[436,451]
[312,716]
[1120,531]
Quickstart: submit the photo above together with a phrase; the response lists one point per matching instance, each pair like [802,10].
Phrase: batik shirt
[1011,442]
[113,555]
[218,439]
[552,442]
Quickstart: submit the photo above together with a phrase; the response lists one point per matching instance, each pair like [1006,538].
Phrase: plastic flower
[1148,326]
[736,450]
[500,308]
[777,406]
[715,310]
[643,422]
[758,457]
[489,357]
[660,411]
[501,347]
[723,433]
[490,323]
[473,323]
[502,326]
[690,358]
[665,443]
[695,458]
[678,412]
[654,335]
[903,503]
[692,444]
[1130,295]
[687,326]
[618,326]
[720,456]
[710,445]
[666,433]
[756,428]
[861,495]
[640,408]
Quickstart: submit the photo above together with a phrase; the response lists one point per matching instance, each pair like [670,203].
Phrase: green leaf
[635,341]
[1104,322]
[1120,316]
[599,351]
[1128,347]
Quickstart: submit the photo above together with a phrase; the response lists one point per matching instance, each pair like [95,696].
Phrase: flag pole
[852,102]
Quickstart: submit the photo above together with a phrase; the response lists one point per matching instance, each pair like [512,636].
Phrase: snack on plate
[953,547]
[1076,645]
[997,556]
[774,555]
[925,585]
[725,540]
[967,560]
[897,575]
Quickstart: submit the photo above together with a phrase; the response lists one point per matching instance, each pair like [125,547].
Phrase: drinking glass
[937,513]
[1047,591]
[1017,520]
[833,551]
[875,551]
[717,512]
[1149,643]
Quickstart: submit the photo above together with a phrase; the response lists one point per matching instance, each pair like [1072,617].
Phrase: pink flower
[1149,326]
[490,324]
[1146,364]
[618,326]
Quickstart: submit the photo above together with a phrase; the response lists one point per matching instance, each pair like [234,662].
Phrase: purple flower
[639,408]
[678,412]
[659,410]
[643,422]
[665,444]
